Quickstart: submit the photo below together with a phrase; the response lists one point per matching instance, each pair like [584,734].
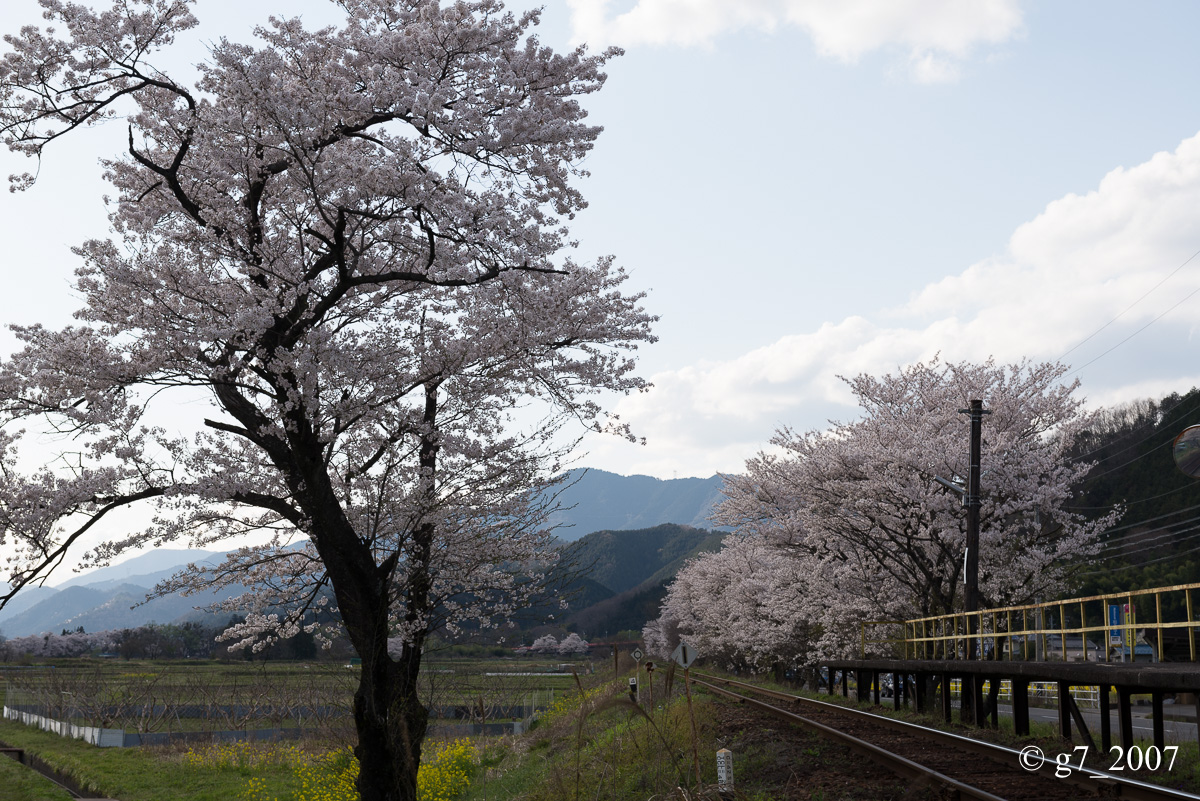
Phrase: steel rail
[1088,778]
[893,762]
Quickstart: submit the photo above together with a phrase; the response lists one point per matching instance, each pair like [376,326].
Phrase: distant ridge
[596,500]
[636,566]
[647,528]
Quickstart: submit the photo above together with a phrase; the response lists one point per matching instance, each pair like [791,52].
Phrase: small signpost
[650,681]
[1115,619]
[635,689]
[684,656]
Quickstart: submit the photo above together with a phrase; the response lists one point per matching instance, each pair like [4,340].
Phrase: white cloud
[936,34]
[1078,265]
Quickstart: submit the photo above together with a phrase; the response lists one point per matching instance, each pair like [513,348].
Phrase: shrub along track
[959,766]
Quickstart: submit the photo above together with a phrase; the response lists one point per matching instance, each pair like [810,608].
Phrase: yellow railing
[1074,629]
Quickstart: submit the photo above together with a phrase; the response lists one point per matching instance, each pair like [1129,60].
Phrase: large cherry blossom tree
[350,240]
[855,513]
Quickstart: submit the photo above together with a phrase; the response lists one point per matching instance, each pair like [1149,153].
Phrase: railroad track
[964,767]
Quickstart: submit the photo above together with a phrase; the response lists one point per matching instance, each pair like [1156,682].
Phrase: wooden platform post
[947,710]
[1125,716]
[1197,696]
[977,701]
[1064,710]
[1105,719]
[1020,693]
[1156,699]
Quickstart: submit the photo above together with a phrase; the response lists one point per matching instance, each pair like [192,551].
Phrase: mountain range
[644,529]
[595,500]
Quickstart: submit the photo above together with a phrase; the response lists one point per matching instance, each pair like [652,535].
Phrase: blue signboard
[1115,619]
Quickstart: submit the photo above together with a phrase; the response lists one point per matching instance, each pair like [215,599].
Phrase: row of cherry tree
[836,527]
[549,644]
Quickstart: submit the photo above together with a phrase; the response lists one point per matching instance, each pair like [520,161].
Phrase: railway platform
[924,682]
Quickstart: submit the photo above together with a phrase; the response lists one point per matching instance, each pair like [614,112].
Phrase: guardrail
[1159,624]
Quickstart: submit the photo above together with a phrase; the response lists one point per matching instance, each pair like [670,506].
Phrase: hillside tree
[350,241]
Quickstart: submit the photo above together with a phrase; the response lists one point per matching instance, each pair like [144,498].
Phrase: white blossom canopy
[848,524]
[352,239]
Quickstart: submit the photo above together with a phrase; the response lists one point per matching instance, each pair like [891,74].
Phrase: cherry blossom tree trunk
[391,723]
[389,718]
[388,714]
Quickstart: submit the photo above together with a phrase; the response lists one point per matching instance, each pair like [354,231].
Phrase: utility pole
[973,501]
[971,599]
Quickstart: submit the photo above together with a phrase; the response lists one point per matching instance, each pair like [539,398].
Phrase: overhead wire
[1174,306]
[1151,435]
[1138,500]
[1144,296]
[1131,461]
[1174,555]
[1162,534]
[1153,519]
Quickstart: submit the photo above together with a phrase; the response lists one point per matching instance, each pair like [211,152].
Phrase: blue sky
[810,188]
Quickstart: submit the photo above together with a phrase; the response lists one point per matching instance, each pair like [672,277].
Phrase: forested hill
[621,560]
[635,567]
[594,500]
[1157,542]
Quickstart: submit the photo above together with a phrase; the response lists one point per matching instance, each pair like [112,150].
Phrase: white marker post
[725,770]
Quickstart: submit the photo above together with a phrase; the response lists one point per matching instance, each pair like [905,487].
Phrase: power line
[1141,564]
[1139,500]
[1127,308]
[1152,519]
[1131,461]
[1145,543]
[1135,333]
[1151,435]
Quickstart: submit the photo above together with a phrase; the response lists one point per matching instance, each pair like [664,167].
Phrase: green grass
[25,784]
[600,749]
[136,774]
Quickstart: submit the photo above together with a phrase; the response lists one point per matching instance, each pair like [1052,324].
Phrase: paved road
[1143,726]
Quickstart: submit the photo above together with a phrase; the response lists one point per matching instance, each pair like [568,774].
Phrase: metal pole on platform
[973,502]
[971,571]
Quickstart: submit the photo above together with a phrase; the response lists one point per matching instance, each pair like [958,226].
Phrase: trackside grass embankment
[134,774]
[25,784]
